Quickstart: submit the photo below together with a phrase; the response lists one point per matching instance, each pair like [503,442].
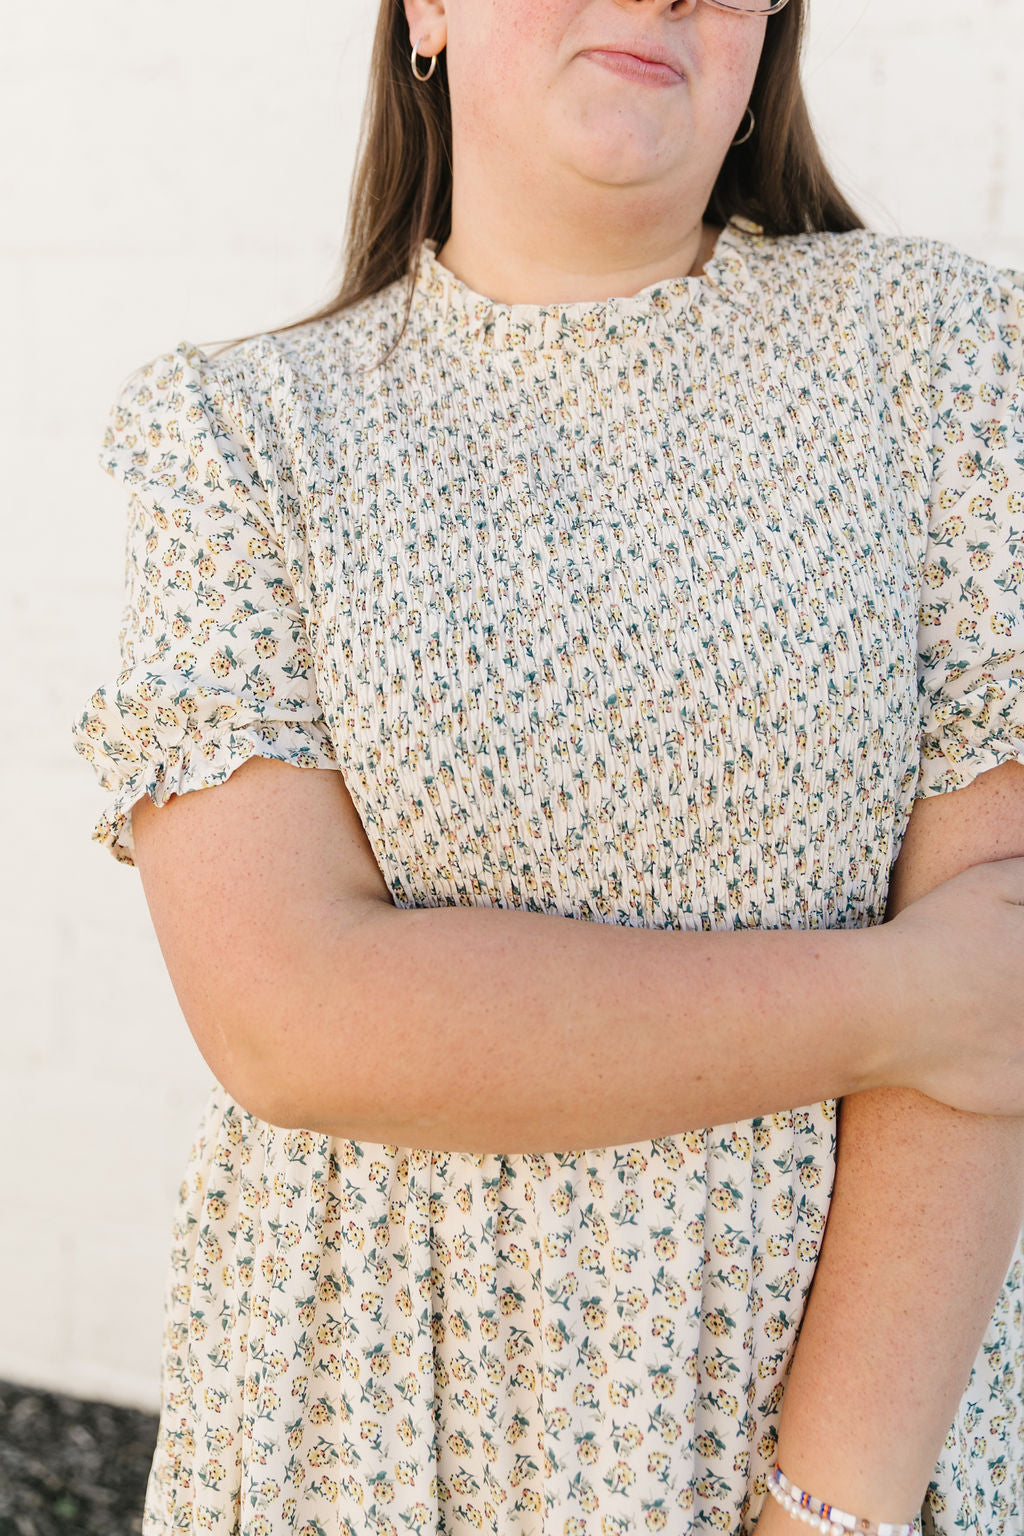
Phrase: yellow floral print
[659,610]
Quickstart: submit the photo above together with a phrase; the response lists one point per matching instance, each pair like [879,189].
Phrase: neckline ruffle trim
[444,307]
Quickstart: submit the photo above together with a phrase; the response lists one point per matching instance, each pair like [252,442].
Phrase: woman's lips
[633,68]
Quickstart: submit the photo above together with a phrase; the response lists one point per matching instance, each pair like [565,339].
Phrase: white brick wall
[182,174]
[917,104]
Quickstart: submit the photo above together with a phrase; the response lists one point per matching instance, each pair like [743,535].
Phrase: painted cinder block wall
[181,173]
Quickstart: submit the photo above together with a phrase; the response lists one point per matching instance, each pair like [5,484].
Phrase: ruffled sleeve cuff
[216,661]
[971,620]
[130,766]
[967,735]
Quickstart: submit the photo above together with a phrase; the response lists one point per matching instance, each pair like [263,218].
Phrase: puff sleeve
[216,665]
[971,624]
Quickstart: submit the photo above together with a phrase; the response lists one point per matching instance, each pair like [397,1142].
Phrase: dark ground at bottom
[70,1467]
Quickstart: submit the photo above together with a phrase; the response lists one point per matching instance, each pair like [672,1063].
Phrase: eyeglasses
[750,7]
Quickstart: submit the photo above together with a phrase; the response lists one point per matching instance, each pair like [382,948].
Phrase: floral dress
[659,610]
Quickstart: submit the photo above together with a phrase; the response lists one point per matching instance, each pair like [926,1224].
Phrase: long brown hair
[402,184]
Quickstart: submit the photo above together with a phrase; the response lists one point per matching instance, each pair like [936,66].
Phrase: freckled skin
[565,174]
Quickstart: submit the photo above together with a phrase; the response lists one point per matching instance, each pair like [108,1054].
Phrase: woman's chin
[620,148]
[616,165]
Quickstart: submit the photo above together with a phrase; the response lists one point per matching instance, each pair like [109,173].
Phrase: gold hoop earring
[749,131]
[430,71]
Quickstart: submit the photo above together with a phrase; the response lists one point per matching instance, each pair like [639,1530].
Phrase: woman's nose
[675,7]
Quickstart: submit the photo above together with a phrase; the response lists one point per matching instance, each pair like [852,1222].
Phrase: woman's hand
[957,1004]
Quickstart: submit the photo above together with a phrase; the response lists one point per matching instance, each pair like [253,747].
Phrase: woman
[648,564]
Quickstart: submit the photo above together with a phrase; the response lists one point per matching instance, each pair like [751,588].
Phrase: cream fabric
[659,611]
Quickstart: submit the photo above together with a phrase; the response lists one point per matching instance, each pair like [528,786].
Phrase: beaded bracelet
[836,1522]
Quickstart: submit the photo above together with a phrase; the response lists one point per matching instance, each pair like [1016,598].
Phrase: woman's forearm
[480,1029]
[319,1003]
[927,1209]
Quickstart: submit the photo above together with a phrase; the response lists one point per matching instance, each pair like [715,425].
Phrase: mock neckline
[448,308]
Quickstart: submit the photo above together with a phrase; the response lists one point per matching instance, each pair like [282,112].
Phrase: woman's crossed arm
[927,1209]
[319,1004]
